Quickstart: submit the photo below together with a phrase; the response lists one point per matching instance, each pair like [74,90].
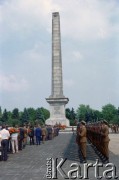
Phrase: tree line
[39,115]
[84,112]
[28,115]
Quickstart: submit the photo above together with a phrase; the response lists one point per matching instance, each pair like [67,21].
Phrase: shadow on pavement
[73,152]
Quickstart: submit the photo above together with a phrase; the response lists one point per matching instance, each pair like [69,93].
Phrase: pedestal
[57,111]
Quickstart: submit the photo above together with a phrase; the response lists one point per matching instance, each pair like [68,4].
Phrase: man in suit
[83,139]
[21,138]
[105,139]
[38,134]
[31,135]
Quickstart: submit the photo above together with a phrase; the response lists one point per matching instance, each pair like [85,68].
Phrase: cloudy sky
[90,52]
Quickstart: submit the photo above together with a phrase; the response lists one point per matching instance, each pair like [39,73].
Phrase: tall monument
[57,100]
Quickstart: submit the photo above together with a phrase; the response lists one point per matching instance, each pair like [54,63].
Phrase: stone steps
[68,130]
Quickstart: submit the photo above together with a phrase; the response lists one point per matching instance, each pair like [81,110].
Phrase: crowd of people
[97,134]
[14,139]
[114,128]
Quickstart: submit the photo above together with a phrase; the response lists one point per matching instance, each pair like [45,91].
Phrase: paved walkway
[30,164]
[114,143]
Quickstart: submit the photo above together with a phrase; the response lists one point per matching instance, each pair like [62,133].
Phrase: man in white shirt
[5,136]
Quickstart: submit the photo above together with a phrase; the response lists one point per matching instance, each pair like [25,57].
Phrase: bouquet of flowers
[62,127]
[13,130]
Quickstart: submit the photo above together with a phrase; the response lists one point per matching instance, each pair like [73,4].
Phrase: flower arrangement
[13,130]
[62,127]
[29,130]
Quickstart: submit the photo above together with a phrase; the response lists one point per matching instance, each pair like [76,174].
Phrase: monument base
[57,111]
[54,121]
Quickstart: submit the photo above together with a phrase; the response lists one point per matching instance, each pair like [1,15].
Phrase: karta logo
[55,170]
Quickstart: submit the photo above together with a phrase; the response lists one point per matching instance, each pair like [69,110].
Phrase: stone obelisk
[57,100]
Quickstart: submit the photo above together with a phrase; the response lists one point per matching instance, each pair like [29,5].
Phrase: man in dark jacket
[38,134]
[21,138]
[31,135]
[49,130]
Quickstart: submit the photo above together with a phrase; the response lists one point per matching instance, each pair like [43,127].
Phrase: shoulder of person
[83,127]
[6,130]
[105,126]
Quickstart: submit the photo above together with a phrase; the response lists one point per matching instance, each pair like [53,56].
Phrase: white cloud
[87,19]
[68,83]
[77,55]
[82,19]
[32,55]
[89,33]
[73,57]
[10,83]
[26,15]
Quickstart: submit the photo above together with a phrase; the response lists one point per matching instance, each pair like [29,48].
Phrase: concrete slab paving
[30,163]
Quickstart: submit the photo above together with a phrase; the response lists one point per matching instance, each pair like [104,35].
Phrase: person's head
[16,126]
[39,125]
[104,122]
[83,123]
[3,126]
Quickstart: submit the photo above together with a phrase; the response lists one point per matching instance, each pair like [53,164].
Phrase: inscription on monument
[57,110]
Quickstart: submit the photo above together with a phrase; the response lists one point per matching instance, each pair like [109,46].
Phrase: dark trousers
[31,140]
[50,136]
[4,144]
[0,153]
[9,147]
[38,139]
[20,144]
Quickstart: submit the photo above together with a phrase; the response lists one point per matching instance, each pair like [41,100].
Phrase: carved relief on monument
[57,110]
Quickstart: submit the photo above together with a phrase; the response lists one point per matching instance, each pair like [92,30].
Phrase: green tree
[32,114]
[24,117]
[40,116]
[71,115]
[68,113]
[97,115]
[15,113]
[45,112]
[110,113]
[0,114]
[118,111]
[5,116]
[13,122]
[84,112]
